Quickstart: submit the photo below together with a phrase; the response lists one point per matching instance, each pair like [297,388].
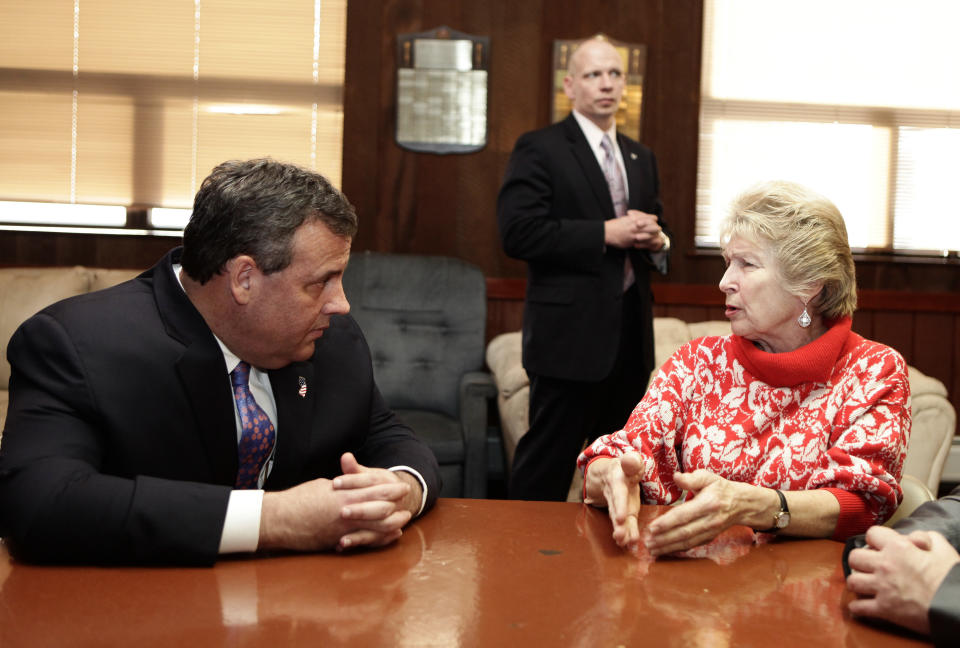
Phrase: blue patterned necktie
[257,435]
[618,193]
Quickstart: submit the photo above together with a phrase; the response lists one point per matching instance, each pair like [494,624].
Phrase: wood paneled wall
[446,204]
[21,248]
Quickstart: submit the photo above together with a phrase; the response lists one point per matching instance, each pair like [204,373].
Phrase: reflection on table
[471,573]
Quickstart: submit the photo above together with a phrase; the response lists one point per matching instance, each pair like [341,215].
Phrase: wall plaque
[634,57]
[442,91]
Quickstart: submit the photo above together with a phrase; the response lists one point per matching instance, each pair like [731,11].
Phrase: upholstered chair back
[424,318]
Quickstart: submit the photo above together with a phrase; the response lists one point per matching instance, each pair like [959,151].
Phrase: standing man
[223,401]
[580,204]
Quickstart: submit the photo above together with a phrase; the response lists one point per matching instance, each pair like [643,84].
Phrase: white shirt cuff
[659,258]
[241,526]
[423,485]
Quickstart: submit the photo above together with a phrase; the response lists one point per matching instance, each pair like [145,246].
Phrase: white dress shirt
[594,135]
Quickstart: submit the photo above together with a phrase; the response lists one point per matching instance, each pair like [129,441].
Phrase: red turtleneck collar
[812,362]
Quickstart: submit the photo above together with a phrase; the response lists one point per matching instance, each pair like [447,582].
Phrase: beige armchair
[915,493]
[934,424]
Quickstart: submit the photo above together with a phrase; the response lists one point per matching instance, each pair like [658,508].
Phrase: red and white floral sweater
[833,414]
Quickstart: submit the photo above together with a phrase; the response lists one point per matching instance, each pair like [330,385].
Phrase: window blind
[120,103]
[859,100]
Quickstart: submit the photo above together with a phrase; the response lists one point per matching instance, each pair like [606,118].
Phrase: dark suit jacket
[551,211]
[120,442]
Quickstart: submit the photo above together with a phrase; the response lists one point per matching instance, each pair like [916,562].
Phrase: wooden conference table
[471,573]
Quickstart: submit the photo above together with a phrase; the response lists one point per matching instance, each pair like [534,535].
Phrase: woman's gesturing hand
[718,505]
[616,483]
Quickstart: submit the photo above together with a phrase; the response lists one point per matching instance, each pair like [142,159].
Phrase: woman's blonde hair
[807,236]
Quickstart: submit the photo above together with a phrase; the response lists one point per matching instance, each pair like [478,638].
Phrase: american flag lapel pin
[303,387]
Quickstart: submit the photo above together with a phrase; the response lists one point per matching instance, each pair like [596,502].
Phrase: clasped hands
[362,507]
[897,576]
[635,229]
[718,505]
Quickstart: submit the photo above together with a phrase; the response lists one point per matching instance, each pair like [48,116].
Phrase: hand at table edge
[363,507]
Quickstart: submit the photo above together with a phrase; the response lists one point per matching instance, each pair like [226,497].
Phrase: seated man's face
[290,309]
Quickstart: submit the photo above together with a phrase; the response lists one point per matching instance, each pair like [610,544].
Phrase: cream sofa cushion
[24,291]
[504,357]
[101,278]
[671,333]
[4,399]
[934,424]
[710,327]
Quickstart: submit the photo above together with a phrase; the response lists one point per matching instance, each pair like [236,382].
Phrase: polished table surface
[470,573]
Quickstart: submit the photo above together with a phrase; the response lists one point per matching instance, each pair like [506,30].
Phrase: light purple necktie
[618,193]
[257,433]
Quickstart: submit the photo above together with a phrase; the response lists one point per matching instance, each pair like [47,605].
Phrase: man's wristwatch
[666,242]
[781,518]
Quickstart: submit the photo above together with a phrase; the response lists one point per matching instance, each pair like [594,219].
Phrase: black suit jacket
[551,211]
[120,442]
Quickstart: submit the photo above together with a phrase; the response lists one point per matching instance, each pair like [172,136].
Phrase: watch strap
[783,509]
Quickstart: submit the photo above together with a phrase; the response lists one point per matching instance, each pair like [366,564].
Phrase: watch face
[783,519]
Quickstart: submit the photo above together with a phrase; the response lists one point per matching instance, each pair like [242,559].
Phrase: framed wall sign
[634,57]
[442,91]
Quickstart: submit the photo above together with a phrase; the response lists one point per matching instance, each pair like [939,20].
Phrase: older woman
[793,425]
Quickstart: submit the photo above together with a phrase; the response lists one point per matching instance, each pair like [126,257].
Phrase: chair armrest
[915,493]
[476,389]
[933,427]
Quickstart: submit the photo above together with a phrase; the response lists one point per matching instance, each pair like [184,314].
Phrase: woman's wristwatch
[781,518]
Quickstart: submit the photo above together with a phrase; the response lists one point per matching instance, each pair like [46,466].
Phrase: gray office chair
[424,318]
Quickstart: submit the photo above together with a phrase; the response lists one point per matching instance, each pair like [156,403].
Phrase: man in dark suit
[125,441]
[580,204]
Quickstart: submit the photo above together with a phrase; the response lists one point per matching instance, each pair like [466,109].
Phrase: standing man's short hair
[254,207]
